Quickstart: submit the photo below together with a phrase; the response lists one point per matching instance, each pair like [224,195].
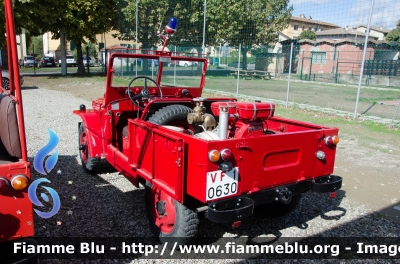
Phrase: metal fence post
[394,115]
[301,69]
[63,53]
[363,60]
[175,69]
[204,27]
[238,71]
[290,70]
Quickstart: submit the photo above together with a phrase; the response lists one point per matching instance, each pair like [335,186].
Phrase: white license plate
[49,63]
[221,184]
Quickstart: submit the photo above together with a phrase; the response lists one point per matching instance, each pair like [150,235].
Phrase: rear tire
[277,209]
[170,220]
[89,164]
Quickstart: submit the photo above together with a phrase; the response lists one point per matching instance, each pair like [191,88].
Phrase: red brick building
[342,56]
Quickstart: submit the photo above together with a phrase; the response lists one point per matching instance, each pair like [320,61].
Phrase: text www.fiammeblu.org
[207,250]
[233,248]
[286,248]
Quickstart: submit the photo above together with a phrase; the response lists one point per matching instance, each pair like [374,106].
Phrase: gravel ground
[107,205]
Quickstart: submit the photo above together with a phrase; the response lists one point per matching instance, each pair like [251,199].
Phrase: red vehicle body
[16,213]
[200,156]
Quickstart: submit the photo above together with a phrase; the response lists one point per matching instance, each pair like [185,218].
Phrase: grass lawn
[323,95]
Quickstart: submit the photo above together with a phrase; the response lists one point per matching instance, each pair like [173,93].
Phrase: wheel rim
[163,210]
[6,84]
[83,146]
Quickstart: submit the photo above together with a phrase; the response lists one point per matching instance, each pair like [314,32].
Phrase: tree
[79,19]
[154,15]
[150,15]
[91,48]
[394,35]
[36,46]
[21,20]
[307,34]
[250,23]
[83,19]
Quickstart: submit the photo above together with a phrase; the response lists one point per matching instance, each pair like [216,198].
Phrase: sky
[350,13]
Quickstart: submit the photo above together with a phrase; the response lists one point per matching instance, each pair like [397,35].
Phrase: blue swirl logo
[34,199]
[49,165]
[43,152]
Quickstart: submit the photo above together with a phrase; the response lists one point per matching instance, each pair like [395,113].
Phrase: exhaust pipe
[223,122]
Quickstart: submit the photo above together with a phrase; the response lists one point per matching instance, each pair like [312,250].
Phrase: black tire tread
[186,222]
[170,113]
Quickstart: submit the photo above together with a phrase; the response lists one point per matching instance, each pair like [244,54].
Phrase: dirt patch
[368,160]
[85,88]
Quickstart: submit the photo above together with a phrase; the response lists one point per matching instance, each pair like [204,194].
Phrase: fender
[92,122]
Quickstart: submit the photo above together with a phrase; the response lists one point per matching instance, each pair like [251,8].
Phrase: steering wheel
[144,92]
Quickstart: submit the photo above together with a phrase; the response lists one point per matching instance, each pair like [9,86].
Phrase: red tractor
[212,157]
[16,213]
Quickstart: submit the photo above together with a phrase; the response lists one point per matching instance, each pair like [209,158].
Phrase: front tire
[170,220]
[89,164]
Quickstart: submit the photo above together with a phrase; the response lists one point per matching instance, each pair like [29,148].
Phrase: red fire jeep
[16,213]
[193,154]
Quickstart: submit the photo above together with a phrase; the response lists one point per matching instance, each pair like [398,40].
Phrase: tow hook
[283,195]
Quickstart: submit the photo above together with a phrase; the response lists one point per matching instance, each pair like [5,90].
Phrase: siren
[170,28]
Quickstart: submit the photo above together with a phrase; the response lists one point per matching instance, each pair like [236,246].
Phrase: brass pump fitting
[209,122]
[199,115]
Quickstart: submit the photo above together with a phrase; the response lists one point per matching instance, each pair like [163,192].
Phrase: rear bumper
[238,208]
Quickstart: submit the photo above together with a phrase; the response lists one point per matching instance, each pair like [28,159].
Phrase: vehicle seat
[10,145]
[125,131]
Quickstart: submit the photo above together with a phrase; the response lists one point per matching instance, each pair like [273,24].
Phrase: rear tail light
[19,182]
[3,185]
[226,154]
[331,140]
[214,155]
